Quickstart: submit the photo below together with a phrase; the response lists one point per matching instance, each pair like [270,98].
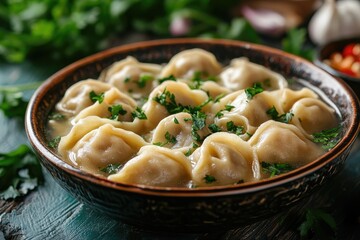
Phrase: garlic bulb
[335,20]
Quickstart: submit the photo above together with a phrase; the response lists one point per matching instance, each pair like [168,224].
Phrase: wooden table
[51,213]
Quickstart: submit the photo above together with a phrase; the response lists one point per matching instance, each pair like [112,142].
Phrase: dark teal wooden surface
[51,213]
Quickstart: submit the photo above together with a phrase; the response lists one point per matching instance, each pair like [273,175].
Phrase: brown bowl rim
[41,149]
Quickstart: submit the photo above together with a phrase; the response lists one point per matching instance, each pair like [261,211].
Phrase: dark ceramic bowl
[324,52]
[196,209]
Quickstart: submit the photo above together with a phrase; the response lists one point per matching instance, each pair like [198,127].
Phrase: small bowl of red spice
[341,58]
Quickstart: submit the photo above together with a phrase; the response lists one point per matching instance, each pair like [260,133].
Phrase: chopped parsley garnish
[328,138]
[218,97]
[143,80]
[199,122]
[169,139]
[53,143]
[96,97]
[188,152]
[214,128]
[229,107]
[220,113]
[116,110]
[231,127]
[56,116]
[176,121]
[127,80]
[276,168]
[139,113]
[197,80]
[112,168]
[209,179]
[20,172]
[169,78]
[285,118]
[252,91]
[167,99]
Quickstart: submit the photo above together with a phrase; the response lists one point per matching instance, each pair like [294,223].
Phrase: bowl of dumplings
[187,134]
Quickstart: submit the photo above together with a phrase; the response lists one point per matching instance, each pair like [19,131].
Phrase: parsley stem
[19,87]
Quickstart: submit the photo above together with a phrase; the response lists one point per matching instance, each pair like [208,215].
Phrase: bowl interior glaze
[193,209]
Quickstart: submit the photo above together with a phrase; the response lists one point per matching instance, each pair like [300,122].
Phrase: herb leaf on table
[294,43]
[20,172]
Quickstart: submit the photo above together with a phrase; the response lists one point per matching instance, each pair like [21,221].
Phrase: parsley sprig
[328,138]
[276,168]
[112,168]
[252,91]
[96,97]
[116,110]
[20,172]
[209,179]
[169,139]
[285,118]
[139,113]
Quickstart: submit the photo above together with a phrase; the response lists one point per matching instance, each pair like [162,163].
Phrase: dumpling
[175,131]
[112,98]
[77,97]
[313,115]
[132,77]
[255,109]
[287,97]
[174,94]
[156,166]
[235,123]
[94,143]
[242,74]
[190,62]
[223,159]
[214,89]
[277,142]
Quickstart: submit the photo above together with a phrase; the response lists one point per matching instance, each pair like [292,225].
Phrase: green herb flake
[116,110]
[327,138]
[318,224]
[127,80]
[169,78]
[276,168]
[176,121]
[13,104]
[53,143]
[229,107]
[209,179]
[96,97]
[252,91]
[56,116]
[284,118]
[139,113]
[112,168]
[167,99]
[143,80]
[170,138]
[231,127]
[214,128]
[20,172]
[219,97]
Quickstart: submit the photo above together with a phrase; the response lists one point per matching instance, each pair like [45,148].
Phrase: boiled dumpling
[188,63]
[312,115]
[287,97]
[277,142]
[77,97]
[242,74]
[112,98]
[156,166]
[95,143]
[132,77]
[224,159]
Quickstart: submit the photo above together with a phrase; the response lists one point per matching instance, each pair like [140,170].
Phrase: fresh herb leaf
[176,121]
[214,128]
[20,172]
[127,80]
[276,168]
[229,107]
[294,43]
[167,99]
[252,91]
[143,80]
[116,110]
[112,168]
[209,179]
[139,113]
[328,138]
[169,139]
[285,118]
[96,97]
[169,78]
[219,114]
[219,97]
[53,143]
[56,116]
[13,104]
[319,224]
[231,127]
